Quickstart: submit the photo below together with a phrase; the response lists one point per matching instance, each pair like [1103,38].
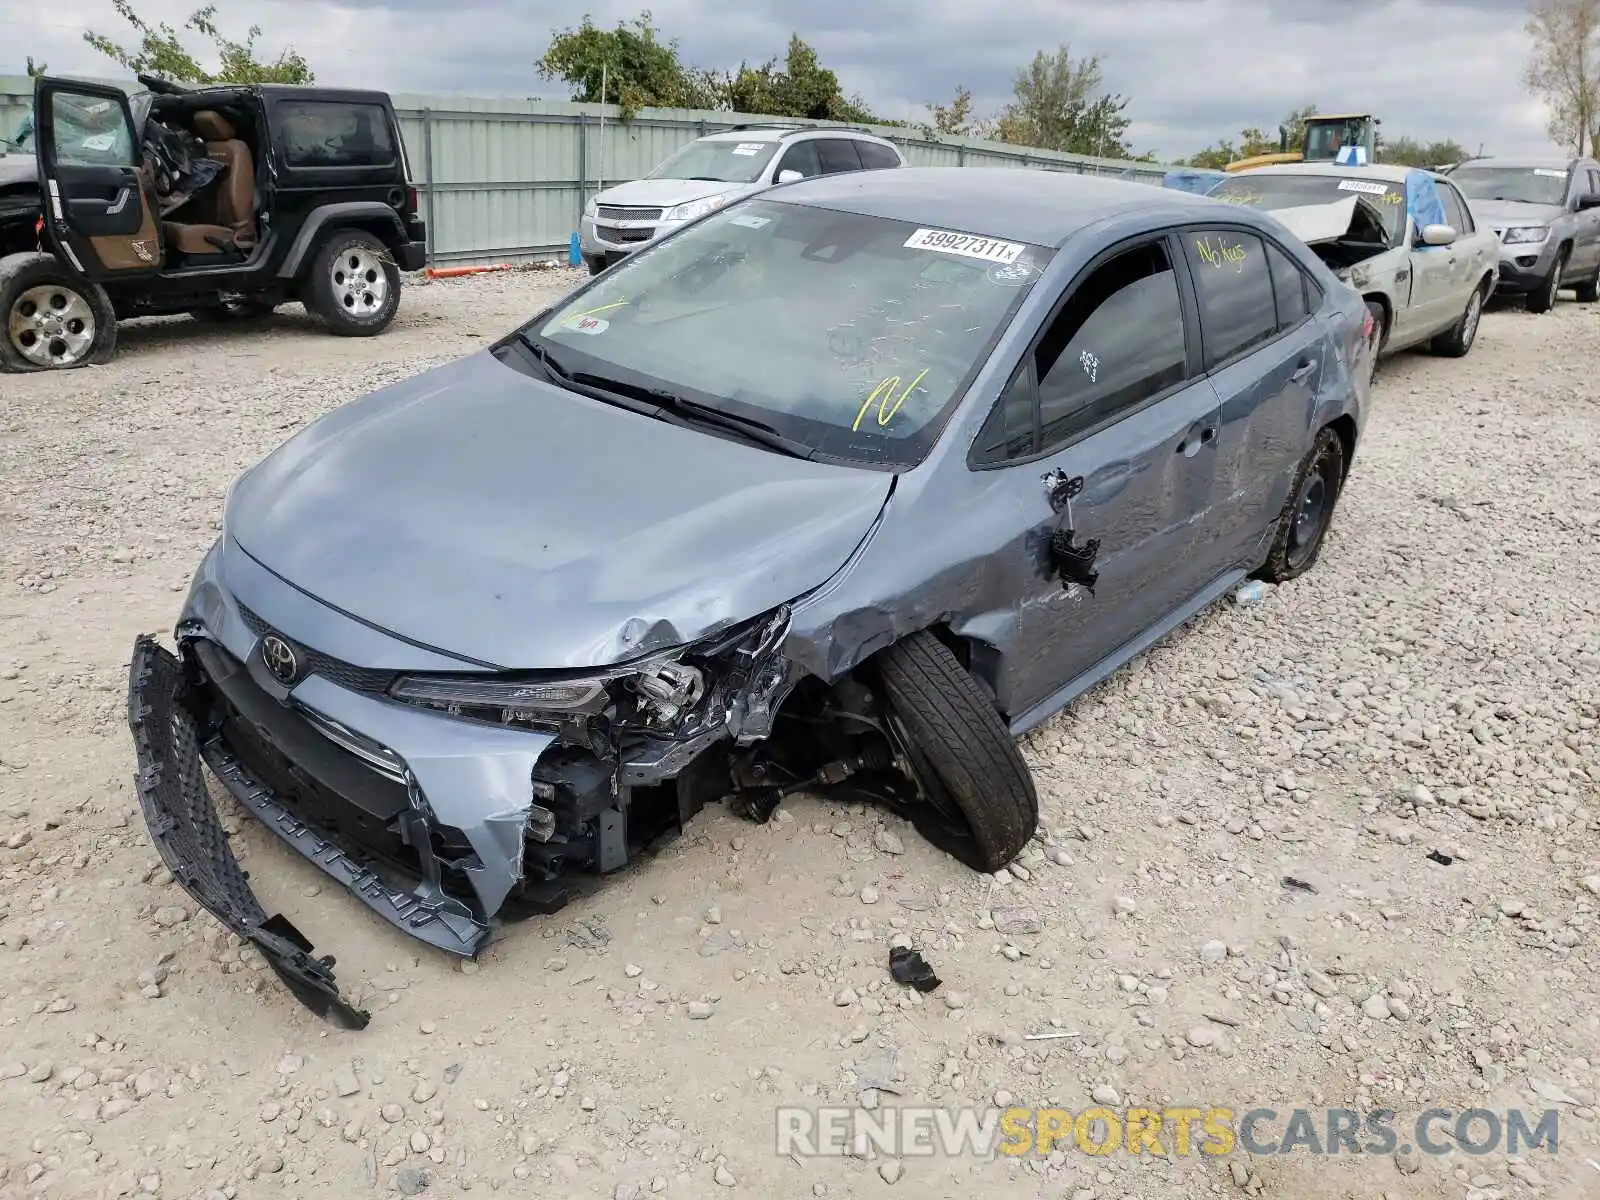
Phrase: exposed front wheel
[354,285]
[1458,339]
[1304,521]
[981,806]
[1543,298]
[50,320]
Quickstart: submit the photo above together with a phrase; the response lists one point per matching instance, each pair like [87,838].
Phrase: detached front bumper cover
[189,836]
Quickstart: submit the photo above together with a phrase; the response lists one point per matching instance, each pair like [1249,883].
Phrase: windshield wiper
[749,428]
[584,385]
[708,179]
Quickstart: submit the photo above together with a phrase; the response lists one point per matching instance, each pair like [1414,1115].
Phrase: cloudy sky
[1195,70]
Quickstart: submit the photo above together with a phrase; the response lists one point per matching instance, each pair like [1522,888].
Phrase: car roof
[1387,172]
[776,133]
[1517,162]
[1044,208]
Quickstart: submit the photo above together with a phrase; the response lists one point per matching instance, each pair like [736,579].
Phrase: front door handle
[1190,446]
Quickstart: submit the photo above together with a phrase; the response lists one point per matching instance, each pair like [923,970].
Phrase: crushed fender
[189,836]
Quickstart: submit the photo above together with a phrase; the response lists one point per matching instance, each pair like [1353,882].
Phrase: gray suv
[713,170]
[1546,213]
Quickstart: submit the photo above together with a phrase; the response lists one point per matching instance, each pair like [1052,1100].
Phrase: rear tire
[1543,298]
[1589,293]
[50,320]
[354,285]
[1456,341]
[983,808]
[1303,524]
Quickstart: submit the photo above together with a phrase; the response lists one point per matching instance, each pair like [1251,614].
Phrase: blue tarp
[1193,179]
[1422,200]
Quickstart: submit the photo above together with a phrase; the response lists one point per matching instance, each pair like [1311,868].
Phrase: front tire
[1543,298]
[354,285]
[981,804]
[1456,341]
[1589,292]
[49,319]
[595,265]
[1303,523]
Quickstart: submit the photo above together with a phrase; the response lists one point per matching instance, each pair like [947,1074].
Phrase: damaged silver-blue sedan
[842,487]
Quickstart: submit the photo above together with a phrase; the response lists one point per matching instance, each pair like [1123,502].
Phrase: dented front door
[99,217]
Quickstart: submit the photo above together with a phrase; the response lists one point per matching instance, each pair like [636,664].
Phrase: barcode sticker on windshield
[987,249]
[1549,174]
[1361,185]
[747,148]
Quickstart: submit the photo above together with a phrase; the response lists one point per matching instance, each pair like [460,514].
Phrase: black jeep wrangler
[223,202]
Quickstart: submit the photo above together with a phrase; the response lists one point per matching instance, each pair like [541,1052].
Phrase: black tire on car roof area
[982,807]
[354,284]
[49,319]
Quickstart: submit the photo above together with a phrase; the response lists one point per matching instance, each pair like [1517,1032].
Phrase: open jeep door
[99,218]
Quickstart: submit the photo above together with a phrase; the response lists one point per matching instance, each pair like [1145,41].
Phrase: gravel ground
[1409,733]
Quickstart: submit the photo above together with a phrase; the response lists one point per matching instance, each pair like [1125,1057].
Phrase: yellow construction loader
[1325,138]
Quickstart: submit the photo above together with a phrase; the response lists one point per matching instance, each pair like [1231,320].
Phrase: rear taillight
[411,203]
[1367,325]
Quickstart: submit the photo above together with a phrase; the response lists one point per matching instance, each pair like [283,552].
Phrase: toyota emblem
[280,659]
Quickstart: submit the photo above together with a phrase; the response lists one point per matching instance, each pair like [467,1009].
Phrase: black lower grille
[622,237]
[370,680]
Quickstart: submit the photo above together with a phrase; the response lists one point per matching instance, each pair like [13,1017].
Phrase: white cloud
[1195,70]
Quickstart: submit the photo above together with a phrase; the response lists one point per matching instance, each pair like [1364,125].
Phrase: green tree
[801,87]
[35,71]
[1254,140]
[162,54]
[1564,69]
[957,119]
[1061,104]
[1409,152]
[636,66]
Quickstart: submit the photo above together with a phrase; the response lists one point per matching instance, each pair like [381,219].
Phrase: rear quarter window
[875,157]
[326,133]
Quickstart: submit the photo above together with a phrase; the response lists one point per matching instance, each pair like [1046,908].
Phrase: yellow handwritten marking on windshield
[1243,198]
[887,399]
[1393,198]
[589,312]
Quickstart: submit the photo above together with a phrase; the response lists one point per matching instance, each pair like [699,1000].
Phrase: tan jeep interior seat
[229,209]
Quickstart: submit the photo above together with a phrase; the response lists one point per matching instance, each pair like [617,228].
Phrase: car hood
[18,168]
[664,193]
[1505,213]
[1351,218]
[495,517]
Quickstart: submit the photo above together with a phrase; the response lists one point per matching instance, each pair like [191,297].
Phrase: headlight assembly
[1526,235]
[591,208]
[694,208]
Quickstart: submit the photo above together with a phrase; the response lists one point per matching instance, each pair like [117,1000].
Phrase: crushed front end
[445,801]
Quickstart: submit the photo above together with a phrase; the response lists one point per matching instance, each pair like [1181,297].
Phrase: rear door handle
[1190,446]
[1303,371]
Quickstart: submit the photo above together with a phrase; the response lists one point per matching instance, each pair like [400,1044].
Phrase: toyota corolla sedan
[841,488]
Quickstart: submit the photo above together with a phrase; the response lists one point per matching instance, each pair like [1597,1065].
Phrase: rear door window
[1233,282]
[1289,287]
[324,133]
[875,157]
[838,155]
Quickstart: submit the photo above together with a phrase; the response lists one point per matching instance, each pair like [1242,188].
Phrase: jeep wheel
[50,321]
[354,284]
[1543,298]
[1304,521]
[981,804]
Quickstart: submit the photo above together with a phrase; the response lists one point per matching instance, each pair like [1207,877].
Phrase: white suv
[710,171]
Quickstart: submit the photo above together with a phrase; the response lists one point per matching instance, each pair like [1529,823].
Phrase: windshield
[15,140]
[724,161]
[855,335]
[1527,185]
[1324,141]
[1291,191]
